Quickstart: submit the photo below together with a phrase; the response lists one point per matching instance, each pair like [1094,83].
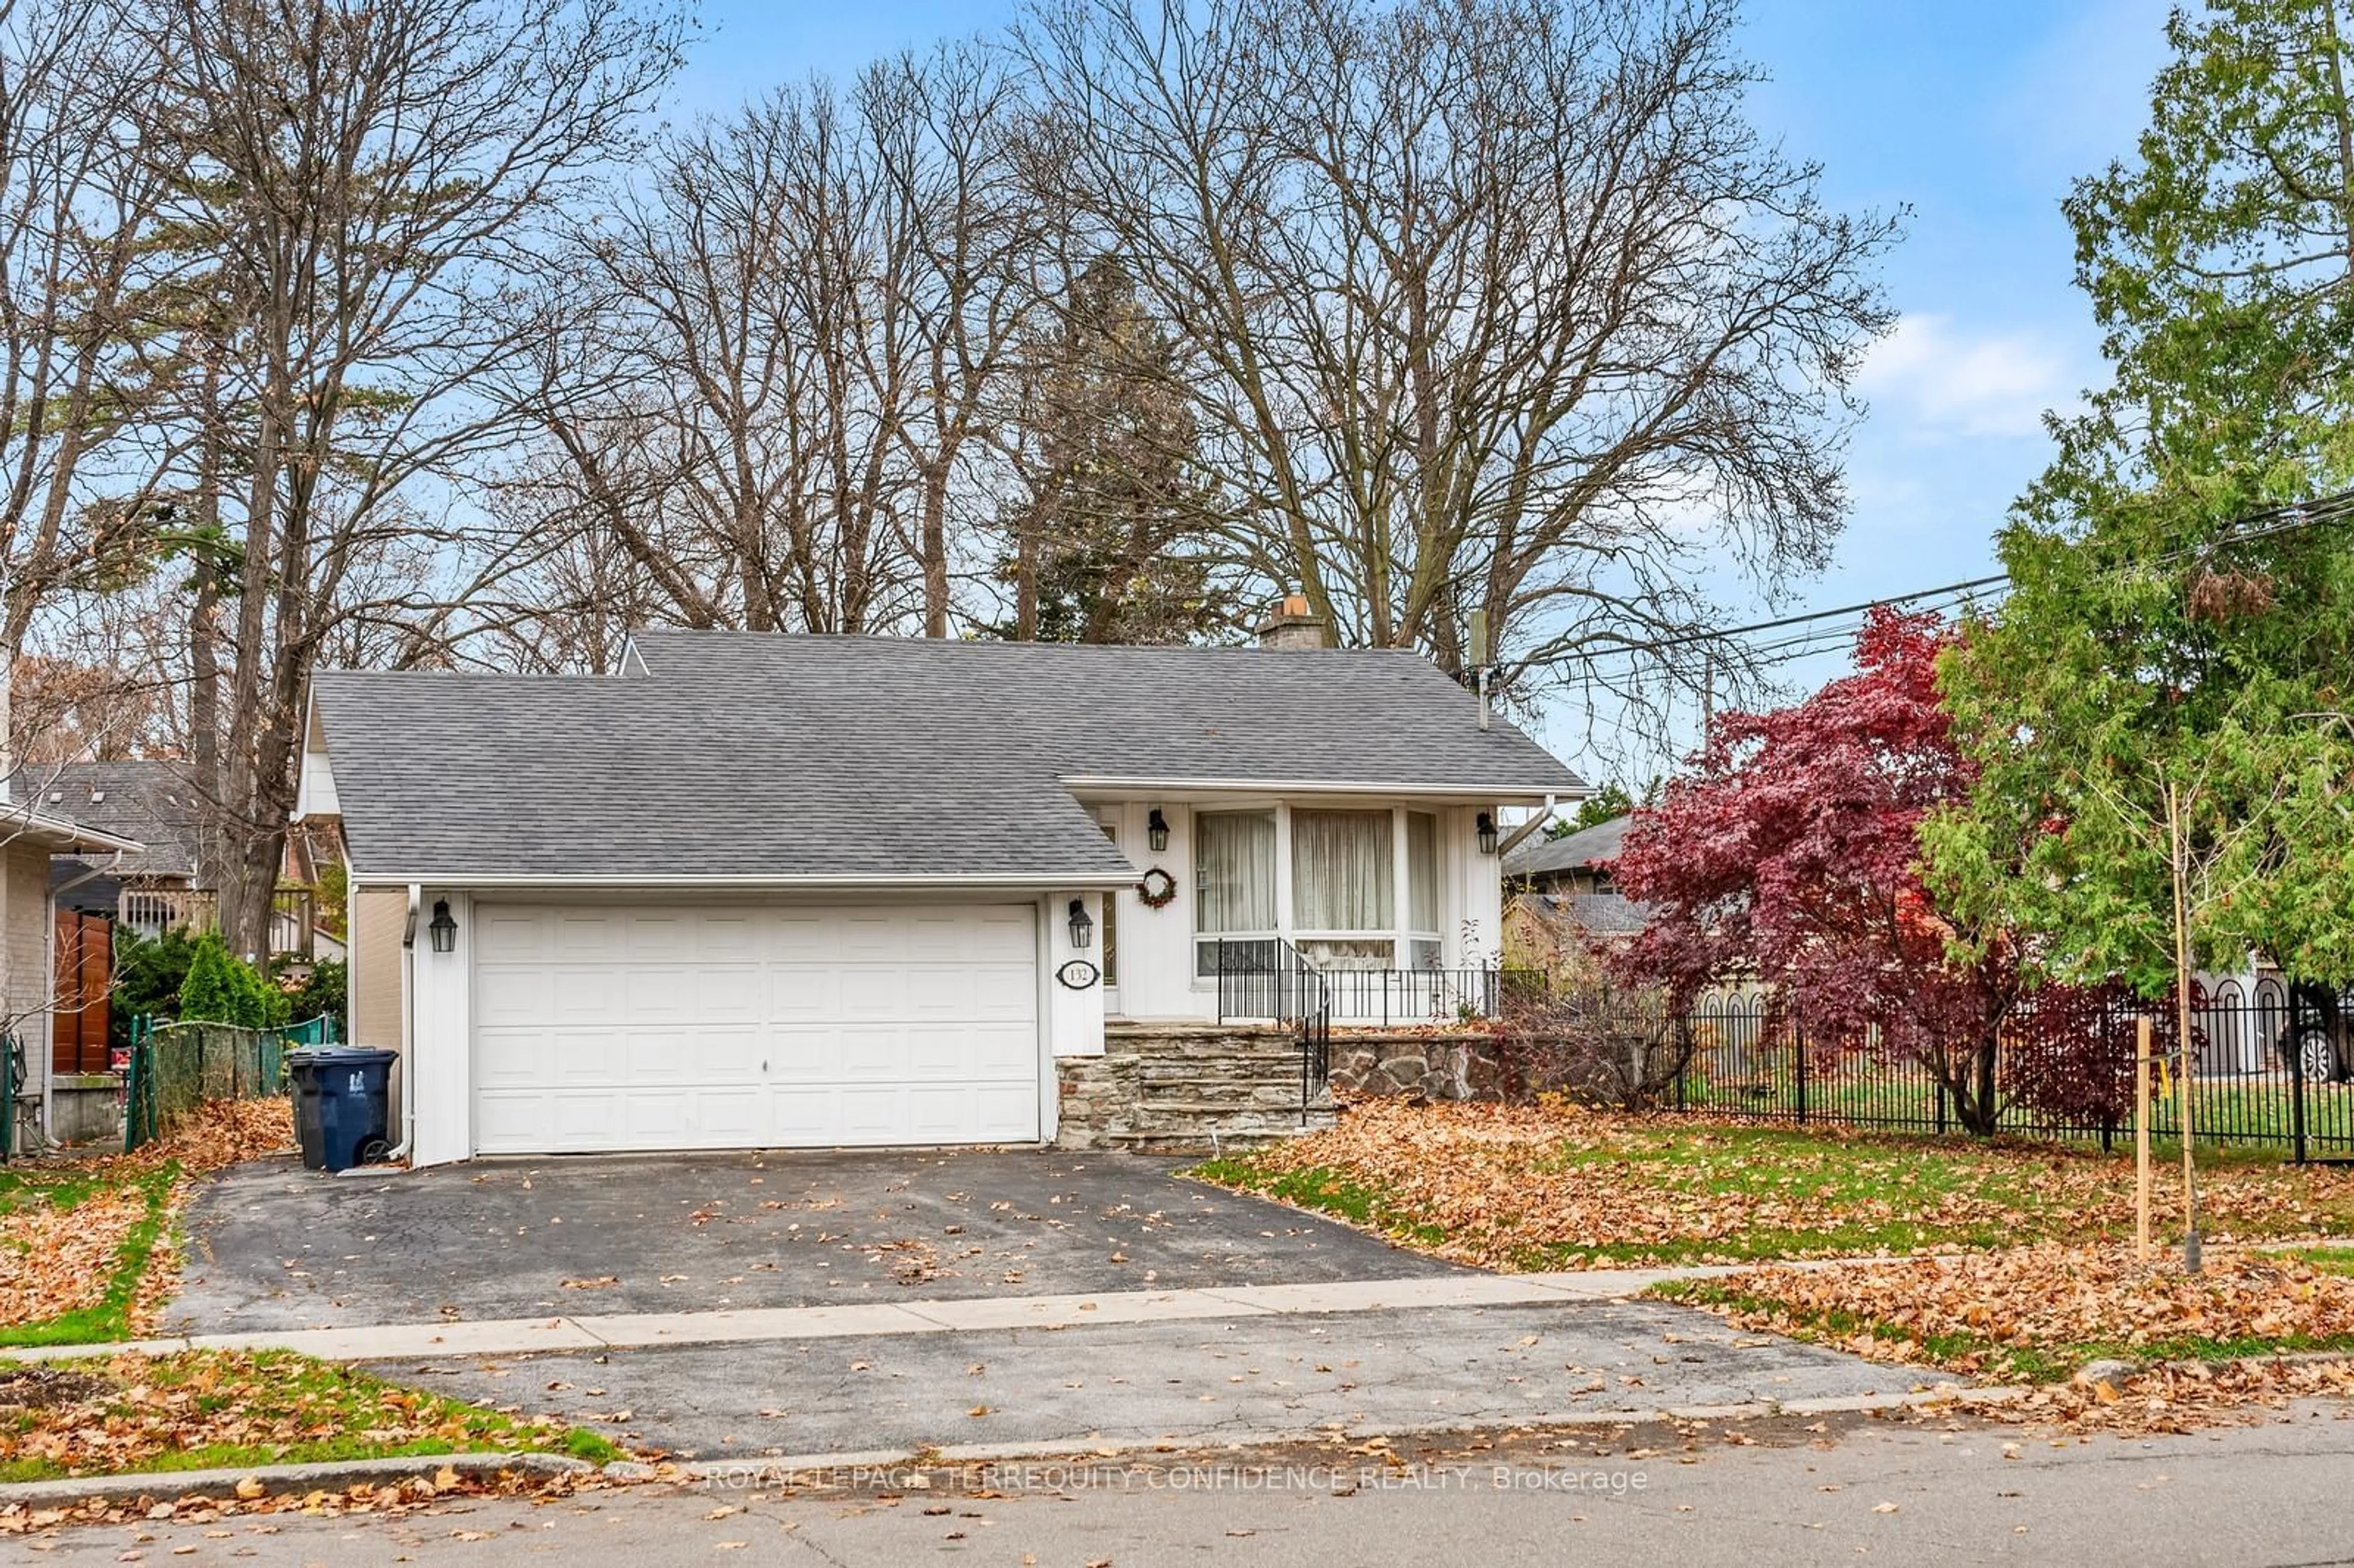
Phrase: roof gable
[1596,845]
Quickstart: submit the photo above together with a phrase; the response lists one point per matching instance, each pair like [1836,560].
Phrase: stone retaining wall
[1465,1066]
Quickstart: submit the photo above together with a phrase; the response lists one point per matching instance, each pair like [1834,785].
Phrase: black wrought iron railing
[1271,980]
[1381,998]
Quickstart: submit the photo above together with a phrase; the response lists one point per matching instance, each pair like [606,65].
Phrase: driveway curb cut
[328,1474]
[749,1472]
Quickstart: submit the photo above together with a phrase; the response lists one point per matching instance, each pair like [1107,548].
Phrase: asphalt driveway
[273,1246]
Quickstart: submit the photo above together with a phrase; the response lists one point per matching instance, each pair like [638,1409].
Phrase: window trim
[1400,934]
[1280,902]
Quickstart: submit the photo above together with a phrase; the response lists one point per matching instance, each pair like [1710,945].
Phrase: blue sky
[1977,113]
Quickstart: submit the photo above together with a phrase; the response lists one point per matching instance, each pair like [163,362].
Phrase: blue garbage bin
[350,1087]
[302,1081]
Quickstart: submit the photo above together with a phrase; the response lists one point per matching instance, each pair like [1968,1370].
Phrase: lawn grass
[220,1410]
[1326,1191]
[109,1318]
[2328,1259]
[1838,1326]
[1537,1188]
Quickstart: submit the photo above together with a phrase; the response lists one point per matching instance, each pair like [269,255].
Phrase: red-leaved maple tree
[1789,855]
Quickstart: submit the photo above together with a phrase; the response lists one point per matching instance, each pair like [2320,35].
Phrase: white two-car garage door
[645,1028]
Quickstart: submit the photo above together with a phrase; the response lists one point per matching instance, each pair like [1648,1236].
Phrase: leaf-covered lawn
[2041,1313]
[1526,1188]
[74,1250]
[85,1250]
[201,1410]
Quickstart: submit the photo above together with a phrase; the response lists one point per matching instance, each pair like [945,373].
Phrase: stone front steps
[1186,1088]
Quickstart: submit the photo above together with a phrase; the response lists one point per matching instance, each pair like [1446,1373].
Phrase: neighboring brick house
[30,835]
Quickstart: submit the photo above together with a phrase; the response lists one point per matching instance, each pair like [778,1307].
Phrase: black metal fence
[2273,1065]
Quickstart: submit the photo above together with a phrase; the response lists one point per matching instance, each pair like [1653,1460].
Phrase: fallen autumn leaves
[407,1497]
[1521,1187]
[200,1409]
[1536,1187]
[2041,1311]
[85,1245]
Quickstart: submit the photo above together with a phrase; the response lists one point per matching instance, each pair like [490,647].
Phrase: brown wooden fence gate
[85,972]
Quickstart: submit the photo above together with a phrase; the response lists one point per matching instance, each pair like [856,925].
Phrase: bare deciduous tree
[354,183]
[75,198]
[800,351]
[1497,305]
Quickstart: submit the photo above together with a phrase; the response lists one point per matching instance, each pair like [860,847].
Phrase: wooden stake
[2179,848]
[2141,1140]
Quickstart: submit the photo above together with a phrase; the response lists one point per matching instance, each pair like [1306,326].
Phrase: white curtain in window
[1421,871]
[1342,874]
[1234,867]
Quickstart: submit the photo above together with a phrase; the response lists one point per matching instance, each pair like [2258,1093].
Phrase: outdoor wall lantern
[443,929]
[1156,830]
[1083,926]
[1487,825]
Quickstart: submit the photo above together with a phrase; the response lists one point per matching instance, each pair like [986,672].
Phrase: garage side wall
[441,1024]
[377,915]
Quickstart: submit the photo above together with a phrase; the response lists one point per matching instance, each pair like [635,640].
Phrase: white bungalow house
[801,891]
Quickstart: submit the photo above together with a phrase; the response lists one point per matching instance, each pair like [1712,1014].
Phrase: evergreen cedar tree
[1791,853]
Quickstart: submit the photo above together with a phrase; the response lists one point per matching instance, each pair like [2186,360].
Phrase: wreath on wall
[1156,888]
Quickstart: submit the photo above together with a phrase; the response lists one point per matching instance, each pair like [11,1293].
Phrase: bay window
[1350,888]
[1234,883]
[1344,889]
[1420,940]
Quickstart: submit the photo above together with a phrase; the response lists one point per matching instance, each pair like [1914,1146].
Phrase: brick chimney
[1291,627]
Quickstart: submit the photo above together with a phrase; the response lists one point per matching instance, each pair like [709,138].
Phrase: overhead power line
[2274,521]
[1782,623]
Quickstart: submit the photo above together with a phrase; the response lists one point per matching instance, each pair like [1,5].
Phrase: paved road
[274,1246]
[2270,1495]
[1188,1380]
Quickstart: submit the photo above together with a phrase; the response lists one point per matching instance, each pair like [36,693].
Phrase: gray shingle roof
[1168,713]
[850,757]
[1588,913]
[152,800]
[1596,845]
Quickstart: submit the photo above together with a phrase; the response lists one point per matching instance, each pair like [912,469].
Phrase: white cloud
[1944,384]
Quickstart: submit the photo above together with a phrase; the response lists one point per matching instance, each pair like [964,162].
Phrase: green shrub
[222,988]
[334,891]
[148,974]
[326,990]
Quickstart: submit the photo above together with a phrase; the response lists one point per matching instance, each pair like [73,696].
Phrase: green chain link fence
[12,1085]
[176,1067]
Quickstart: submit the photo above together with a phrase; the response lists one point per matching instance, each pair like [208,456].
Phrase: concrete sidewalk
[1874,1492]
[638,1331]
